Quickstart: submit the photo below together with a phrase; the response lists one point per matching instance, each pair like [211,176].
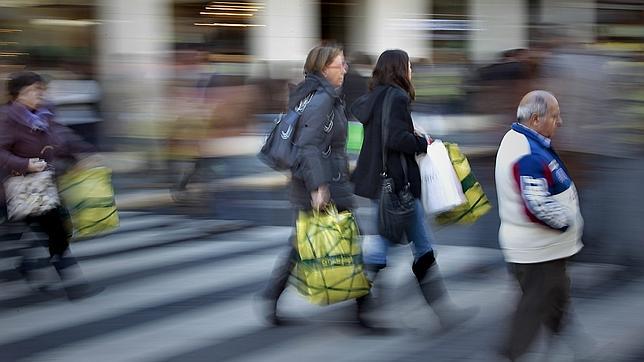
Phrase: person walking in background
[392,73]
[321,170]
[541,223]
[356,82]
[30,142]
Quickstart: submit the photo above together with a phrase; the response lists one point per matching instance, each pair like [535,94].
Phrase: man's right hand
[36,165]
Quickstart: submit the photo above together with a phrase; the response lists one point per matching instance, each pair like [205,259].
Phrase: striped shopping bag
[329,266]
[89,197]
[477,203]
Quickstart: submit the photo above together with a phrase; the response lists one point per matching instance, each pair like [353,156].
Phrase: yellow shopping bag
[329,268]
[477,203]
[89,197]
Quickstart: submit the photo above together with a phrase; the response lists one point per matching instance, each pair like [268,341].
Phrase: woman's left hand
[36,165]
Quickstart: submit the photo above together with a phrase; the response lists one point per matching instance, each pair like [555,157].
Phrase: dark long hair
[391,69]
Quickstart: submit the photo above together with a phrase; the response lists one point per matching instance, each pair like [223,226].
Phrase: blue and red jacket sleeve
[536,184]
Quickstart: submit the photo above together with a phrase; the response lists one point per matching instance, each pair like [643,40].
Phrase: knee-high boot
[433,289]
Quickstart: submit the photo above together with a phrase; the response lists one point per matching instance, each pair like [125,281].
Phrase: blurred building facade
[132,49]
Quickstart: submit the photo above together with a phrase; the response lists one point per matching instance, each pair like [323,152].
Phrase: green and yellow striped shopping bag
[477,203]
[89,198]
[329,267]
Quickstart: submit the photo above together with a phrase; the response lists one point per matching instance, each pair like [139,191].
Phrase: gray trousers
[545,296]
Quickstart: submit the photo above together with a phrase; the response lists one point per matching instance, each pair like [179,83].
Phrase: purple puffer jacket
[25,134]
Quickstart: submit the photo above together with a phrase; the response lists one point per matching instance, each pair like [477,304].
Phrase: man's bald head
[539,110]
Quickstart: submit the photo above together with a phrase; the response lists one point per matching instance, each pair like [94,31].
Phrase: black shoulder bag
[395,209]
[278,152]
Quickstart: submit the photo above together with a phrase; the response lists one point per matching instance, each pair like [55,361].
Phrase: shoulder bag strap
[299,109]
[303,103]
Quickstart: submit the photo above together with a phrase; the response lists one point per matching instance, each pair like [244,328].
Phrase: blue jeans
[418,233]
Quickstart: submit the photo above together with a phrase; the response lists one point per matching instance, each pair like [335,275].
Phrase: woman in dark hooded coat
[392,74]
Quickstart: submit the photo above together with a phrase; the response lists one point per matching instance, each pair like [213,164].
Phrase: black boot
[365,303]
[433,289]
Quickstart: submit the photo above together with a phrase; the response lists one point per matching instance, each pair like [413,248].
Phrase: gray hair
[536,105]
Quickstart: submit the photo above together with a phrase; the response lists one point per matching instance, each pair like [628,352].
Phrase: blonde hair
[320,57]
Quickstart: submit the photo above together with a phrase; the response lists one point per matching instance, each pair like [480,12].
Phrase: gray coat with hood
[320,142]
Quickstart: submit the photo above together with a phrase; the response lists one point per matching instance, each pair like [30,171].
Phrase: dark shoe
[82,291]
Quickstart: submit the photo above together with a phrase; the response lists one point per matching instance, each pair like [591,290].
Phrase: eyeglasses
[344,65]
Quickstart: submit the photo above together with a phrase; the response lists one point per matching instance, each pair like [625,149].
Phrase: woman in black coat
[392,74]
[320,173]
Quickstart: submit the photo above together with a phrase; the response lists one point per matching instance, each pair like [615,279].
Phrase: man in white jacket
[541,224]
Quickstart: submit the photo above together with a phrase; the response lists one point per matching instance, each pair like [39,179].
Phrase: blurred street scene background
[178,96]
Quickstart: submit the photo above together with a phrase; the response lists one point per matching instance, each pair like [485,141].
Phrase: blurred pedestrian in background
[392,73]
[541,223]
[356,82]
[30,142]
[320,174]
[209,109]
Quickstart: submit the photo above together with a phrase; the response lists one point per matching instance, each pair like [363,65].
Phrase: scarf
[37,120]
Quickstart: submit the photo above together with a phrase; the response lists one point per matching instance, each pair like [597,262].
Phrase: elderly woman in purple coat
[30,141]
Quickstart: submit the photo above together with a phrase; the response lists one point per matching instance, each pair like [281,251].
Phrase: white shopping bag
[441,189]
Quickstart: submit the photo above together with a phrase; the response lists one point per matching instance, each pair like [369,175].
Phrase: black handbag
[278,150]
[395,209]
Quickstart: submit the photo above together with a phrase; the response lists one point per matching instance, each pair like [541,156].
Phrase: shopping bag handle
[329,209]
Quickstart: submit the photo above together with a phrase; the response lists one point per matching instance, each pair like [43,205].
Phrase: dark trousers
[281,272]
[283,266]
[56,225]
[545,296]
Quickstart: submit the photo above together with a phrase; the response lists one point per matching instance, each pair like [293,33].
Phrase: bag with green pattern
[329,268]
[477,203]
[89,197]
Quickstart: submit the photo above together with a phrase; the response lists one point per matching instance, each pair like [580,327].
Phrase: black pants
[545,296]
[283,265]
[57,226]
